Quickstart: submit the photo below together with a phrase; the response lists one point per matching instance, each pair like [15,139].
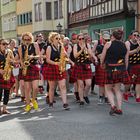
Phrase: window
[73,5]
[9,23]
[48,10]
[38,11]
[60,9]
[25,18]
[56,10]
[4,2]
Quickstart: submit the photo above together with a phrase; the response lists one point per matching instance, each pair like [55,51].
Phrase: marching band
[116,62]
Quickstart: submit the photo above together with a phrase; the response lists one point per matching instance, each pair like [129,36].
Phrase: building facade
[8,19]
[138,16]
[24,17]
[0,22]
[96,16]
[47,14]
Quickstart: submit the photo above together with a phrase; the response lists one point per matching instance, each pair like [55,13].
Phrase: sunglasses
[107,40]
[27,39]
[81,39]
[136,35]
[57,38]
[4,44]
[74,39]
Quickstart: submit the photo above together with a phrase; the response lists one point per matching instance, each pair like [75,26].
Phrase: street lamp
[59,27]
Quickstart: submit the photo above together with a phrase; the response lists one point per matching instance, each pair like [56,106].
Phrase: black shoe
[106,100]
[86,100]
[101,100]
[56,94]
[113,110]
[77,96]
[50,105]
[81,103]
[47,100]
[66,106]
[118,112]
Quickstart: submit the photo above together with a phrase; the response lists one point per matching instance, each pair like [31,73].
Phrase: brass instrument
[63,60]
[8,65]
[25,62]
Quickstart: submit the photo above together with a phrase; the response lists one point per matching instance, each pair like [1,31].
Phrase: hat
[106,35]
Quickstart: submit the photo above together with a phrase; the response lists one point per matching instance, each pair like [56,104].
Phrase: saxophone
[25,62]
[8,66]
[63,60]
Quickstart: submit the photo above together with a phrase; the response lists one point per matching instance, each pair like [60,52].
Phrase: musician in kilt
[82,70]
[134,62]
[99,71]
[51,71]
[5,85]
[29,54]
[115,59]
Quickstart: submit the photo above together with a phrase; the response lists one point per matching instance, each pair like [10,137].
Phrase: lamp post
[133,9]
[59,27]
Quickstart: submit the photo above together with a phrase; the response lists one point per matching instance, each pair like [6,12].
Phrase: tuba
[63,60]
[8,65]
[25,62]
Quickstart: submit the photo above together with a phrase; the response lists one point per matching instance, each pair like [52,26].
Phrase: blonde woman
[51,71]
[5,84]
[30,50]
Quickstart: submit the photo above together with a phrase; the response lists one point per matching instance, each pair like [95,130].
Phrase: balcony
[106,7]
[79,16]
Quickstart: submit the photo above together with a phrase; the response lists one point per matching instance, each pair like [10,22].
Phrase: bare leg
[87,86]
[28,89]
[51,90]
[35,89]
[63,91]
[81,90]
[109,93]
[16,85]
[118,95]
[137,90]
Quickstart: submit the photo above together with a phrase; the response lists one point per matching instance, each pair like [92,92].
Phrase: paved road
[91,122]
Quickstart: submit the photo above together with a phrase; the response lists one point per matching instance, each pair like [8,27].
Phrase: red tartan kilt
[82,72]
[71,79]
[20,76]
[32,73]
[99,75]
[7,84]
[51,73]
[117,77]
[135,70]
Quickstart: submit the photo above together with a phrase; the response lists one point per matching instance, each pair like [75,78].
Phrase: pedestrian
[6,77]
[29,53]
[82,69]
[52,71]
[115,60]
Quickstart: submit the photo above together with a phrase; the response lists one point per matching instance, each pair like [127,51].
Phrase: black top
[55,54]
[15,52]
[41,45]
[2,61]
[71,54]
[134,58]
[83,58]
[116,53]
[31,51]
